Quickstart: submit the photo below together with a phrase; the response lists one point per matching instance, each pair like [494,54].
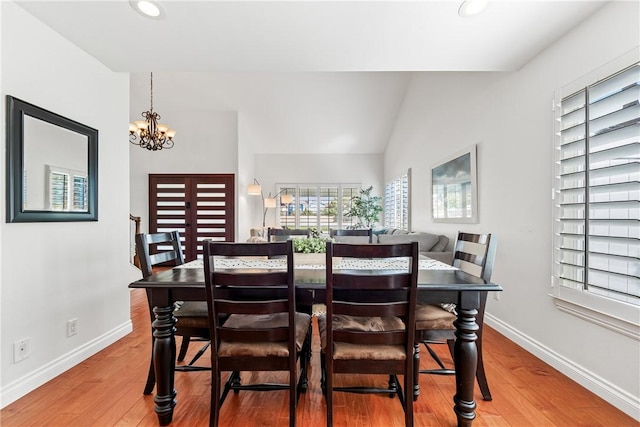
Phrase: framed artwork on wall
[454,196]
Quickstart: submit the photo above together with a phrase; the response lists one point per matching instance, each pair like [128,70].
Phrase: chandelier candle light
[149,133]
[255,189]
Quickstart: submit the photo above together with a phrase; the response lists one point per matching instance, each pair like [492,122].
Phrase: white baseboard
[617,397]
[20,387]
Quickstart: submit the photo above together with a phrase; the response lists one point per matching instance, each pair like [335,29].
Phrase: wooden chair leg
[184,347]
[323,375]
[328,396]
[151,379]
[151,376]
[416,371]
[442,370]
[408,402]
[199,354]
[326,384]
[305,360]
[214,414]
[394,387]
[293,395]
[451,344]
[480,375]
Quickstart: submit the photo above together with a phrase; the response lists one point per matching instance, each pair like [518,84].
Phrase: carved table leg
[164,359]
[466,360]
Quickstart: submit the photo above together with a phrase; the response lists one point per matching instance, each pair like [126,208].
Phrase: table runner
[344,264]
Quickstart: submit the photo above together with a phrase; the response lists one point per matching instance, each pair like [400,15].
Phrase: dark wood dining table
[435,286]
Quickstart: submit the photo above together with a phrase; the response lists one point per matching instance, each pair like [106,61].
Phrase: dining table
[438,283]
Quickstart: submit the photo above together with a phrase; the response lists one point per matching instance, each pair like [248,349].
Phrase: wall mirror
[52,166]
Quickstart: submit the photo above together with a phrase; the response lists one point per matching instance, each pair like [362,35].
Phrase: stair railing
[132,241]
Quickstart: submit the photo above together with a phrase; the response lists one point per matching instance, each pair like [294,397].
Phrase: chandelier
[150,134]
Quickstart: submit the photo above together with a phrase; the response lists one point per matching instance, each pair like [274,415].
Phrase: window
[319,206]
[597,194]
[396,202]
[66,189]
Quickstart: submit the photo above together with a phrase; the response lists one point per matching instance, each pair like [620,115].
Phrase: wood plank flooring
[106,390]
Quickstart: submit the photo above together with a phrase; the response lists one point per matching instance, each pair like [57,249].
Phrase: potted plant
[312,245]
[366,208]
[310,250]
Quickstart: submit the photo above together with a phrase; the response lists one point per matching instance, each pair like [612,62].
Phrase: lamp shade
[254,190]
[470,8]
[269,202]
[285,199]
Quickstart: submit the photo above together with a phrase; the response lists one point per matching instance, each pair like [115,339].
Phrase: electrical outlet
[21,350]
[72,327]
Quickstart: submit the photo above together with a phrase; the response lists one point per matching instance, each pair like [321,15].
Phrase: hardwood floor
[106,390]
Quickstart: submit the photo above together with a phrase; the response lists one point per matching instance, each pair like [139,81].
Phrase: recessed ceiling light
[148,8]
[472,7]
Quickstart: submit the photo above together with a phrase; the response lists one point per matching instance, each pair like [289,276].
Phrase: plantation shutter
[598,196]
[396,202]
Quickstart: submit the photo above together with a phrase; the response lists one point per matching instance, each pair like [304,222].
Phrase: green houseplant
[313,245]
[366,208]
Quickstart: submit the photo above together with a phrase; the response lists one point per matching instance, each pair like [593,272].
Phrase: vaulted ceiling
[337,69]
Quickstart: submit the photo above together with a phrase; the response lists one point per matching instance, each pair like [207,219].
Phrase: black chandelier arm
[151,144]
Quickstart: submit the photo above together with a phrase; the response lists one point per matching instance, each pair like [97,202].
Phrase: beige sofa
[431,245]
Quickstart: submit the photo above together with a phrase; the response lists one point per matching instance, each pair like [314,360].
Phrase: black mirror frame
[16,110]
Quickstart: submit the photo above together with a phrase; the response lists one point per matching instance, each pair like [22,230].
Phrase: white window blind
[597,196]
[67,189]
[319,206]
[396,202]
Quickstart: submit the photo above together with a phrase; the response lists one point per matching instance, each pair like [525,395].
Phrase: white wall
[245,206]
[206,142]
[272,169]
[509,116]
[53,272]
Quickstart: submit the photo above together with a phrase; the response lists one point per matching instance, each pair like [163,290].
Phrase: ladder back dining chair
[369,324]
[475,255]
[282,234]
[192,324]
[351,236]
[263,331]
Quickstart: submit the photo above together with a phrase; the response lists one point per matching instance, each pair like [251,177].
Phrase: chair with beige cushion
[351,236]
[166,249]
[263,332]
[473,254]
[369,324]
